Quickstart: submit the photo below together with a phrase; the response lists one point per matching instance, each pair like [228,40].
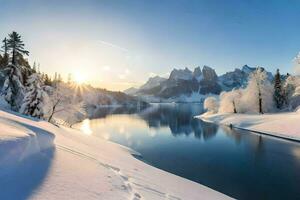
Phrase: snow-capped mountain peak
[181,74]
[248,69]
[197,74]
[152,82]
[209,74]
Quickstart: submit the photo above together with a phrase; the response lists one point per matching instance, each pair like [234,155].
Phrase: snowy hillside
[43,161]
[284,125]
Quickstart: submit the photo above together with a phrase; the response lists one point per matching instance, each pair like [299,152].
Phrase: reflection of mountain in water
[102,112]
[180,119]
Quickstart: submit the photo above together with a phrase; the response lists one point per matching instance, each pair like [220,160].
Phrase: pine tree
[16,46]
[278,92]
[35,97]
[34,68]
[5,58]
[59,78]
[13,89]
[5,48]
[55,77]
[47,80]
[70,79]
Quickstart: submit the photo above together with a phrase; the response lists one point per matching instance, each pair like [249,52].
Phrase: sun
[79,78]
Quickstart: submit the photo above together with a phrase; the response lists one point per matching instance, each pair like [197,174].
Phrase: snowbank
[80,166]
[284,125]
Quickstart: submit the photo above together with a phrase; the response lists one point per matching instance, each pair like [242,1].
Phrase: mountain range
[185,85]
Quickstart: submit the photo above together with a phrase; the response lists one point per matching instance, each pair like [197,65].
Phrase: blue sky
[117,44]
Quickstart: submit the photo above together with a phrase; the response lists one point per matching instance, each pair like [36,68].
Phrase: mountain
[180,82]
[131,91]
[235,79]
[187,85]
[181,74]
[238,78]
[152,82]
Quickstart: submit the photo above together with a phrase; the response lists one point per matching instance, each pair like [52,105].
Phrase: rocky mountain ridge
[184,82]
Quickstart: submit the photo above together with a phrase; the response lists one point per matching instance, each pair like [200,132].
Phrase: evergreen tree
[47,80]
[16,46]
[13,89]
[39,68]
[55,77]
[35,97]
[5,48]
[1,58]
[5,58]
[34,68]
[278,92]
[59,78]
[70,79]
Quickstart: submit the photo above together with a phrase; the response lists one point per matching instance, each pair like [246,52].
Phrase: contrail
[113,46]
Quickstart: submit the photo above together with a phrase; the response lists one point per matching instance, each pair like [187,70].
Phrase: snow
[211,104]
[181,74]
[284,125]
[41,161]
[152,82]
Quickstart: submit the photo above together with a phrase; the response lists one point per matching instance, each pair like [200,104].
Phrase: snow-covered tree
[278,92]
[291,89]
[257,97]
[211,105]
[64,104]
[35,97]
[230,101]
[296,62]
[13,89]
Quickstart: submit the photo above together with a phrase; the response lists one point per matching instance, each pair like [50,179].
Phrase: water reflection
[85,127]
[240,164]
[102,112]
[178,117]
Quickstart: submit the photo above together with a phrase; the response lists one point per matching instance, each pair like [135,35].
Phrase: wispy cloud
[113,46]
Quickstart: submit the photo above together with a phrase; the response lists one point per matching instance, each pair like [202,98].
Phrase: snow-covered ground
[285,125]
[41,161]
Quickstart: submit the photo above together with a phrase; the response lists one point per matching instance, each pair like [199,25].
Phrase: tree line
[25,88]
[261,95]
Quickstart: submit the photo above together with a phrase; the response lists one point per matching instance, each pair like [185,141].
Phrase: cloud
[113,46]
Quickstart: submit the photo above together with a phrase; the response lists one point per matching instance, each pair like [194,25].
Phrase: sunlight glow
[85,127]
[79,78]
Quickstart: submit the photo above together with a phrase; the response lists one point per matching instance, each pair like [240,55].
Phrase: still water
[241,164]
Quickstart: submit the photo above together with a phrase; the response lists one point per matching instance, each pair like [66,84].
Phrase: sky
[116,44]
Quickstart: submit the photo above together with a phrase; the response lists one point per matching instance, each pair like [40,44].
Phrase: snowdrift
[41,161]
[283,125]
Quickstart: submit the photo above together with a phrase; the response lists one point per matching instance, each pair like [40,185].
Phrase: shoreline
[108,168]
[259,124]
